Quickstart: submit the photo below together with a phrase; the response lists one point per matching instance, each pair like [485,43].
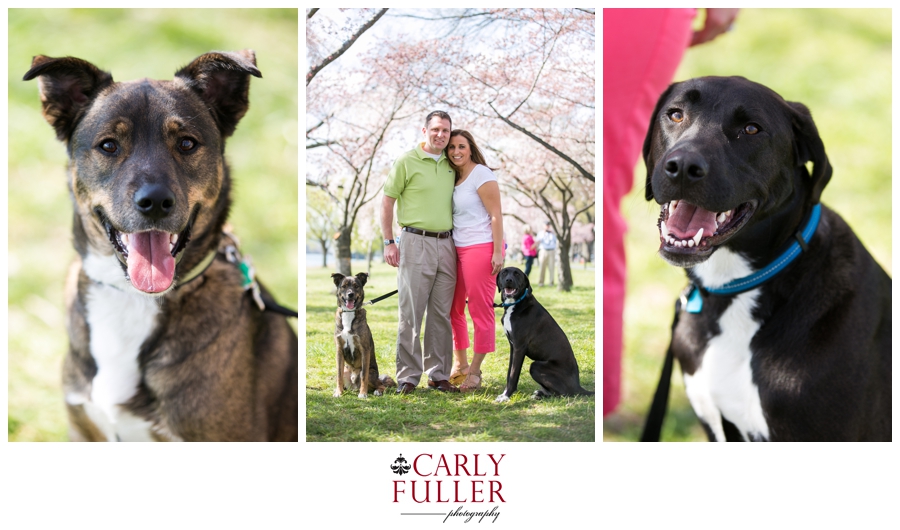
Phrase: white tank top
[471,220]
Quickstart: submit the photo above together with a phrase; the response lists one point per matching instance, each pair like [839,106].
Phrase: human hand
[718,21]
[496,263]
[392,255]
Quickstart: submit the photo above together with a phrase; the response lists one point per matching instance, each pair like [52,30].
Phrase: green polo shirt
[423,189]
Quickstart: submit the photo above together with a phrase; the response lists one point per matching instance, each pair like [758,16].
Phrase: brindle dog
[356,364]
[165,342]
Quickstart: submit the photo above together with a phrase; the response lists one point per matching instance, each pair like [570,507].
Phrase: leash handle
[657,413]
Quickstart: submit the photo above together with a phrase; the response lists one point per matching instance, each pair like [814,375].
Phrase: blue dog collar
[694,301]
[514,303]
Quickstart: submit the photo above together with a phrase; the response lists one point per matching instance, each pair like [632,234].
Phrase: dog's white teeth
[696,239]
[663,230]
[124,238]
[672,206]
[173,240]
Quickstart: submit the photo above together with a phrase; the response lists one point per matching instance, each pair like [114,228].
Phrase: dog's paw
[363,395]
[337,393]
[378,392]
[502,398]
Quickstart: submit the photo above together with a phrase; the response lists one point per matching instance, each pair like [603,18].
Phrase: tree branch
[311,12]
[346,46]
[585,173]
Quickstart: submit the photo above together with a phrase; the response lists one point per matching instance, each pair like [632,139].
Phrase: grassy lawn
[133,44]
[430,415]
[838,63]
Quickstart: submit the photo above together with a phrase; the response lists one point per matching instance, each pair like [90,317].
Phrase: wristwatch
[388,242]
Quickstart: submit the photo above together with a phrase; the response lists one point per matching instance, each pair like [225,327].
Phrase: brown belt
[439,235]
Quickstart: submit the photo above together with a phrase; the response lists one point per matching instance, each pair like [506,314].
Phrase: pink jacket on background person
[527,244]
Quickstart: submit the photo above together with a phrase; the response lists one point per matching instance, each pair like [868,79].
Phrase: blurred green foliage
[838,63]
[134,44]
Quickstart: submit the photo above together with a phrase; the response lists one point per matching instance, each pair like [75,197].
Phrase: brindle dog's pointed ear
[66,85]
[222,79]
[808,147]
[337,278]
[653,132]
[362,277]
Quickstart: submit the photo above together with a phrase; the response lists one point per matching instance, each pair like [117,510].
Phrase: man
[547,254]
[421,184]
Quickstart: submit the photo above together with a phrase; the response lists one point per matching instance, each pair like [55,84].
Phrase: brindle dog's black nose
[154,201]
[680,165]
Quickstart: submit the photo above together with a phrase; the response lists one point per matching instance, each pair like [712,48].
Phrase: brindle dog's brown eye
[676,116]
[186,144]
[751,128]
[109,146]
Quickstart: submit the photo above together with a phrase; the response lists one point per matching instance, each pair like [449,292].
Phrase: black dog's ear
[66,85]
[652,132]
[362,277]
[337,278]
[808,147]
[222,79]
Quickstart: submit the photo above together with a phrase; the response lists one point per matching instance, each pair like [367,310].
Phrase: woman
[529,248]
[478,236]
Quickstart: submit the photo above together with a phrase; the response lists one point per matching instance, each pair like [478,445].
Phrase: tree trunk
[342,251]
[565,266]
[370,255]
[324,244]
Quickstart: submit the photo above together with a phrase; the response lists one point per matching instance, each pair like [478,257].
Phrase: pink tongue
[687,220]
[151,265]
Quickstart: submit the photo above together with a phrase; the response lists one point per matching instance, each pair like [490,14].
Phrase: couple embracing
[448,208]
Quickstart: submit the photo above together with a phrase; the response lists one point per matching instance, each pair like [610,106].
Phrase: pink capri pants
[475,282]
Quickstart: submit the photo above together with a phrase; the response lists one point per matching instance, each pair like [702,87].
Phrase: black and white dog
[533,333]
[785,331]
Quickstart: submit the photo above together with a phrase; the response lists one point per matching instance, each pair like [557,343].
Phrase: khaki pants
[547,259]
[425,282]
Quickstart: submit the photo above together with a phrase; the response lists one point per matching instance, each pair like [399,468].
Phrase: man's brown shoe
[443,386]
[406,388]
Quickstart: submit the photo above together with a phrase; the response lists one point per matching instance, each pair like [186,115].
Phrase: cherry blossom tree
[521,80]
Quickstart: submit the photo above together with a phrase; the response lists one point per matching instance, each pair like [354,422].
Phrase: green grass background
[838,63]
[135,44]
[428,415]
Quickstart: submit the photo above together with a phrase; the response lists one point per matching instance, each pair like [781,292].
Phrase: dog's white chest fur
[119,321]
[346,333]
[723,383]
[507,320]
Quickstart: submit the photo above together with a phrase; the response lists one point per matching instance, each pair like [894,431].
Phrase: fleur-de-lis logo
[400,465]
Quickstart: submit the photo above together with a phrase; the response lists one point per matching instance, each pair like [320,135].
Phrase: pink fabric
[475,282]
[641,51]
[527,243]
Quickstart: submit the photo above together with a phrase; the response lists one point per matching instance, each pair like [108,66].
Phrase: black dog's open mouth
[685,228]
[149,257]
[509,292]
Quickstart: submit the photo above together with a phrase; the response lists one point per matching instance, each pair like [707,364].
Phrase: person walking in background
[529,248]
[641,50]
[421,184]
[478,237]
[547,255]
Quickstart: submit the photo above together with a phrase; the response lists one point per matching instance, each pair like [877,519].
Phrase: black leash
[271,305]
[653,425]
[380,298]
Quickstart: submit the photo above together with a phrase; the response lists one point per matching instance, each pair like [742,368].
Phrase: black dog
[533,333]
[785,332]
